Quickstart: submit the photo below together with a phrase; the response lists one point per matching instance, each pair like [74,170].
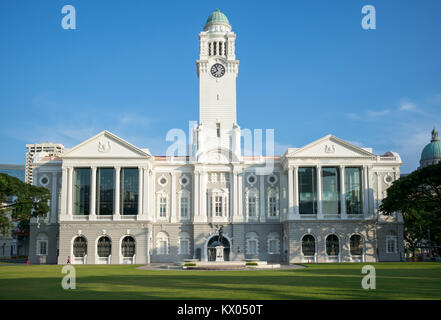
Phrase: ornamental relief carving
[104,147]
[329,148]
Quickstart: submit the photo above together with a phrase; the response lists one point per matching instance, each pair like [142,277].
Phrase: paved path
[172,266]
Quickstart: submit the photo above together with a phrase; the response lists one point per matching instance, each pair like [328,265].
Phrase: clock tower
[217,70]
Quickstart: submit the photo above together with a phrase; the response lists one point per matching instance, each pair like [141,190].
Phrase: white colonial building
[113,202]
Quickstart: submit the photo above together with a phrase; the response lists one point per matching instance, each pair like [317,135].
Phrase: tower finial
[435,134]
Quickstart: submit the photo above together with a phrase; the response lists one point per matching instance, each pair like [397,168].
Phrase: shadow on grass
[315,282]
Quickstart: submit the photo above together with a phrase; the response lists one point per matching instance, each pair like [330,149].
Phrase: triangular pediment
[105,145]
[329,147]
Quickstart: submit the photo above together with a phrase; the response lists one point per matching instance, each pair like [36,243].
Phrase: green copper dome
[217,17]
[433,150]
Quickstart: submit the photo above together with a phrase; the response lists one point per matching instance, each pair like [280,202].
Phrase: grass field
[320,281]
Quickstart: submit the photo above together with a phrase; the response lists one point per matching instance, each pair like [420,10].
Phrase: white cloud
[409,106]
[373,113]
[353,116]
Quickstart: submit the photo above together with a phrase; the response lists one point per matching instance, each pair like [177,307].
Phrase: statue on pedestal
[220,233]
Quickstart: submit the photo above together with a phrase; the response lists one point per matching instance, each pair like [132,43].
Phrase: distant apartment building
[51,149]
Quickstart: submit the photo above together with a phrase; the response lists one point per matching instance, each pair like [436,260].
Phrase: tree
[19,202]
[418,197]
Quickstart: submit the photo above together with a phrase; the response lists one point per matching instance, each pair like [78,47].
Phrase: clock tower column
[217,69]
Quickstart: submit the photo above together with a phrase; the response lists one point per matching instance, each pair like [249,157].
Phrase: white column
[151,196]
[140,190]
[116,215]
[64,193]
[233,195]
[173,198]
[262,198]
[203,176]
[53,217]
[69,192]
[296,192]
[145,192]
[319,192]
[92,214]
[239,194]
[290,194]
[343,214]
[196,216]
[365,192]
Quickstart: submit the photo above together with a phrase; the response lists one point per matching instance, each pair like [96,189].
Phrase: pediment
[105,145]
[330,147]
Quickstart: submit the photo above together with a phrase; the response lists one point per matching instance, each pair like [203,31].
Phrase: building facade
[113,202]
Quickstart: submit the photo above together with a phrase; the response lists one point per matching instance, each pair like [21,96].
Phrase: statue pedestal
[219,253]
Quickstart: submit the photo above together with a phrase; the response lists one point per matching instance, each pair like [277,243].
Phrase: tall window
[252,244]
[105,178]
[308,245]
[330,190]
[273,243]
[184,207]
[273,202]
[42,243]
[252,204]
[162,243]
[129,191]
[353,190]
[184,243]
[104,247]
[163,206]
[218,206]
[307,190]
[391,242]
[356,245]
[332,245]
[218,129]
[128,247]
[81,190]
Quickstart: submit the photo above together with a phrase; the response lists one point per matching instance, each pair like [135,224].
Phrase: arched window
[391,242]
[184,243]
[308,245]
[80,247]
[104,247]
[252,243]
[42,244]
[128,247]
[273,243]
[332,245]
[162,243]
[356,245]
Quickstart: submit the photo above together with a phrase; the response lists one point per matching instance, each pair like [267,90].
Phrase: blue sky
[307,69]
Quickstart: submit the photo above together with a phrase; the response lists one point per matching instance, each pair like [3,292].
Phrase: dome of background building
[217,17]
[432,152]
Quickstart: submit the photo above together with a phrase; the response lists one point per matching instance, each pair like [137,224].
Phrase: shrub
[190,264]
[251,264]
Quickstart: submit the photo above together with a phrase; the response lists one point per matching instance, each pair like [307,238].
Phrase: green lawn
[321,281]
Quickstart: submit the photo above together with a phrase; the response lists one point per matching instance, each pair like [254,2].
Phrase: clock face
[217,70]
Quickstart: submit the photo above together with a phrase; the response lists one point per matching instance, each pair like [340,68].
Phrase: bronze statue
[220,232]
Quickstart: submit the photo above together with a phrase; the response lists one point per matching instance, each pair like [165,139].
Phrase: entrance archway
[211,248]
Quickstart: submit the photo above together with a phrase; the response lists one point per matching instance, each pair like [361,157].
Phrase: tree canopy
[19,202]
[418,197]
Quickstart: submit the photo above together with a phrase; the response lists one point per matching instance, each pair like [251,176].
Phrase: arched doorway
[211,248]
